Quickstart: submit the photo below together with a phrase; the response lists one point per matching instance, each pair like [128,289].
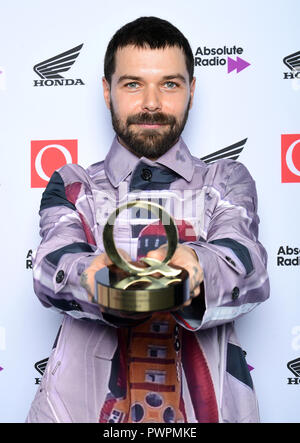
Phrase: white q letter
[38,160]
[289,158]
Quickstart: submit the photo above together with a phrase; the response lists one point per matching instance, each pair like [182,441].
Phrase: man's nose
[151,100]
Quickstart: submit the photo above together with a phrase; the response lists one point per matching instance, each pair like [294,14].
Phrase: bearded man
[177,366]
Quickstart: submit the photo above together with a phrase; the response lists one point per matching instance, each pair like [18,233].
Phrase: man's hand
[185,257]
[87,278]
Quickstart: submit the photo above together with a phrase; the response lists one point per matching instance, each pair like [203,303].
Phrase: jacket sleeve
[233,260]
[68,246]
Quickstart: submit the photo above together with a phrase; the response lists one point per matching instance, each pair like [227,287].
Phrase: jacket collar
[120,162]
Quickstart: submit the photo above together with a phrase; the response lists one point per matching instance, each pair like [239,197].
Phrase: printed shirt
[181,366]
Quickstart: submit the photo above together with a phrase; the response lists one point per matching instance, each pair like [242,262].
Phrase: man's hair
[146,32]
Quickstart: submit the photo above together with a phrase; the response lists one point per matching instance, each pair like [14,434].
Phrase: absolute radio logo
[211,57]
[288,256]
[28,264]
[290,158]
[50,70]
[49,155]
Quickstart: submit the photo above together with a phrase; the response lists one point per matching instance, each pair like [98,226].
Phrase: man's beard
[149,143]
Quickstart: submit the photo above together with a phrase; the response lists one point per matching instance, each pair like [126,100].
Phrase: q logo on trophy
[146,286]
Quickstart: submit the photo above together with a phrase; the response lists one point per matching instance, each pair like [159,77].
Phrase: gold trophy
[146,286]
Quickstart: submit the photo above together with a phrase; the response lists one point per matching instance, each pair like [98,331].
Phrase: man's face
[149,98]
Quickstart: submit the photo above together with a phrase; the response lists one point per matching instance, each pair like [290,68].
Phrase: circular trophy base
[120,292]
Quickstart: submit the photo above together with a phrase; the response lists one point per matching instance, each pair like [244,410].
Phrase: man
[179,366]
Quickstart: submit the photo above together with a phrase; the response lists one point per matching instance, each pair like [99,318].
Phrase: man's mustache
[151,119]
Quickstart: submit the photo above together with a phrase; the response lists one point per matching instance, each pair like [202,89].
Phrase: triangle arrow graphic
[239,64]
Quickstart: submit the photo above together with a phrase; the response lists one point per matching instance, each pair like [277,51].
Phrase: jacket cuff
[223,275]
[69,270]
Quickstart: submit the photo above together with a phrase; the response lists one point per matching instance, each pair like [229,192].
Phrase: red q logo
[290,158]
[49,155]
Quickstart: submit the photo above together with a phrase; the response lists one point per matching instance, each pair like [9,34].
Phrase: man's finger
[123,254]
[187,303]
[195,292]
[158,254]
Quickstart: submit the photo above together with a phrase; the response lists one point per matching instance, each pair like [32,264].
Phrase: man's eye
[171,85]
[132,85]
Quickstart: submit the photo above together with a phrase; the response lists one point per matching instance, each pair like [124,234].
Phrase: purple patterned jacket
[215,209]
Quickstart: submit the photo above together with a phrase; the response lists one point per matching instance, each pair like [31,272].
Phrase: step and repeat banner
[247,65]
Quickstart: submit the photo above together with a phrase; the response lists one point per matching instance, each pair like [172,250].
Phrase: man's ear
[192,90]
[106,91]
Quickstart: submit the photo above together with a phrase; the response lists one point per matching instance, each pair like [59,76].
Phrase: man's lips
[150,125]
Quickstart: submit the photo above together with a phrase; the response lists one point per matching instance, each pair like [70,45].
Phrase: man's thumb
[158,254]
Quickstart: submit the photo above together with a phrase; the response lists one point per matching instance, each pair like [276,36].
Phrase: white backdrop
[258,104]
